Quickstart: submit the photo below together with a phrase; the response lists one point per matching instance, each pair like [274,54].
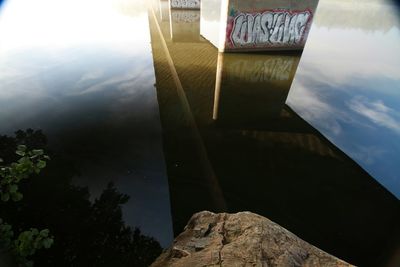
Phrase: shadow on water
[86,233]
[265,158]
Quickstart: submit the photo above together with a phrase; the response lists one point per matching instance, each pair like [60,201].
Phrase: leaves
[6,235]
[21,150]
[13,188]
[47,243]
[28,242]
[17,196]
[5,197]
[31,162]
[37,152]
[41,164]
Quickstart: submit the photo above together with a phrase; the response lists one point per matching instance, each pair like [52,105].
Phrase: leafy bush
[89,230]
[27,242]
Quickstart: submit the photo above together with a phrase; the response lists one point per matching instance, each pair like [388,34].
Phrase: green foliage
[28,242]
[6,235]
[30,162]
[89,231]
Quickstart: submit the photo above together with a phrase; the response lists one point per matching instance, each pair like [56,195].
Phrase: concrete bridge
[233,25]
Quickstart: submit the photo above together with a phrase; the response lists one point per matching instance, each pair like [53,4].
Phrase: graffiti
[269,28]
[190,4]
[185,16]
[273,69]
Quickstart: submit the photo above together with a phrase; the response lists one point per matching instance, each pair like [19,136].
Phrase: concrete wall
[163,9]
[210,21]
[252,88]
[185,25]
[259,25]
[185,4]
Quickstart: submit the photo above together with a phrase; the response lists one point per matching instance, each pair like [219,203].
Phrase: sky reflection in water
[348,84]
[87,80]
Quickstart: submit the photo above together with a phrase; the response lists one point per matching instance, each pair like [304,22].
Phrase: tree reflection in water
[87,233]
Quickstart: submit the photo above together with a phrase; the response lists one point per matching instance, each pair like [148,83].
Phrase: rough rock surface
[241,240]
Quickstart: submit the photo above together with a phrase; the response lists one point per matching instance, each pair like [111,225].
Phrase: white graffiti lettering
[269,28]
[274,69]
[185,16]
[191,4]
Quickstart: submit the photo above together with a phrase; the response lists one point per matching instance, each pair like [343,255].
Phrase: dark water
[136,97]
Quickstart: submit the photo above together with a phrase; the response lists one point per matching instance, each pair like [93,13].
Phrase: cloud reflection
[82,71]
[313,108]
[377,112]
[55,24]
[348,83]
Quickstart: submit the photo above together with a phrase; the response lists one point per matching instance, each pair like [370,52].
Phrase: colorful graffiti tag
[270,28]
[189,4]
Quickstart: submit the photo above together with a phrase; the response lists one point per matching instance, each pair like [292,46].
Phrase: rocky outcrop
[241,240]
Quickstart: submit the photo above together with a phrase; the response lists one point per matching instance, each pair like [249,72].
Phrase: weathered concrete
[243,239]
[185,25]
[233,25]
[185,4]
[260,79]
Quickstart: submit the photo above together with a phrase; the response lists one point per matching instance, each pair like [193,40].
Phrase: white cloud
[314,109]
[368,155]
[377,112]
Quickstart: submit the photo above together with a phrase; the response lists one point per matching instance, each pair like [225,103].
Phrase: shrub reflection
[87,233]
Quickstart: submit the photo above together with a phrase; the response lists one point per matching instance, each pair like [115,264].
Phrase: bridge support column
[185,4]
[235,25]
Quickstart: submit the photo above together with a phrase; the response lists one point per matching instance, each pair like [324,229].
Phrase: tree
[86,232]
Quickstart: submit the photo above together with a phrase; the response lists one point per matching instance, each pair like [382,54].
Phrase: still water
[353,95]
[132,94]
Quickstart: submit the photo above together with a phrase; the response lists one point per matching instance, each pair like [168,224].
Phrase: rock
[241,240]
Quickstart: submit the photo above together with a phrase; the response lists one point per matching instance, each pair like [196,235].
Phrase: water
[352,96]
[86,79]
[137,97]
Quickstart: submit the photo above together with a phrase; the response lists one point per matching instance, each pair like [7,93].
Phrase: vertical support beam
[257,25]
[218,82]
[185,4]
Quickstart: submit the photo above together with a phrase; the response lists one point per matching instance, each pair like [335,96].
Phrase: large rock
[243,239]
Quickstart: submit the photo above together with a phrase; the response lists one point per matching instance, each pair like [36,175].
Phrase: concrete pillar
[185,25]
[178,24]
[251,89]
[234,25]
[185,4]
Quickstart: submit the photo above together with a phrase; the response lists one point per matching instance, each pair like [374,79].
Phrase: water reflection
[88,83]
[87,233]
[270,77]
[263,156]
[185,25]
[215,134]
[352,96]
